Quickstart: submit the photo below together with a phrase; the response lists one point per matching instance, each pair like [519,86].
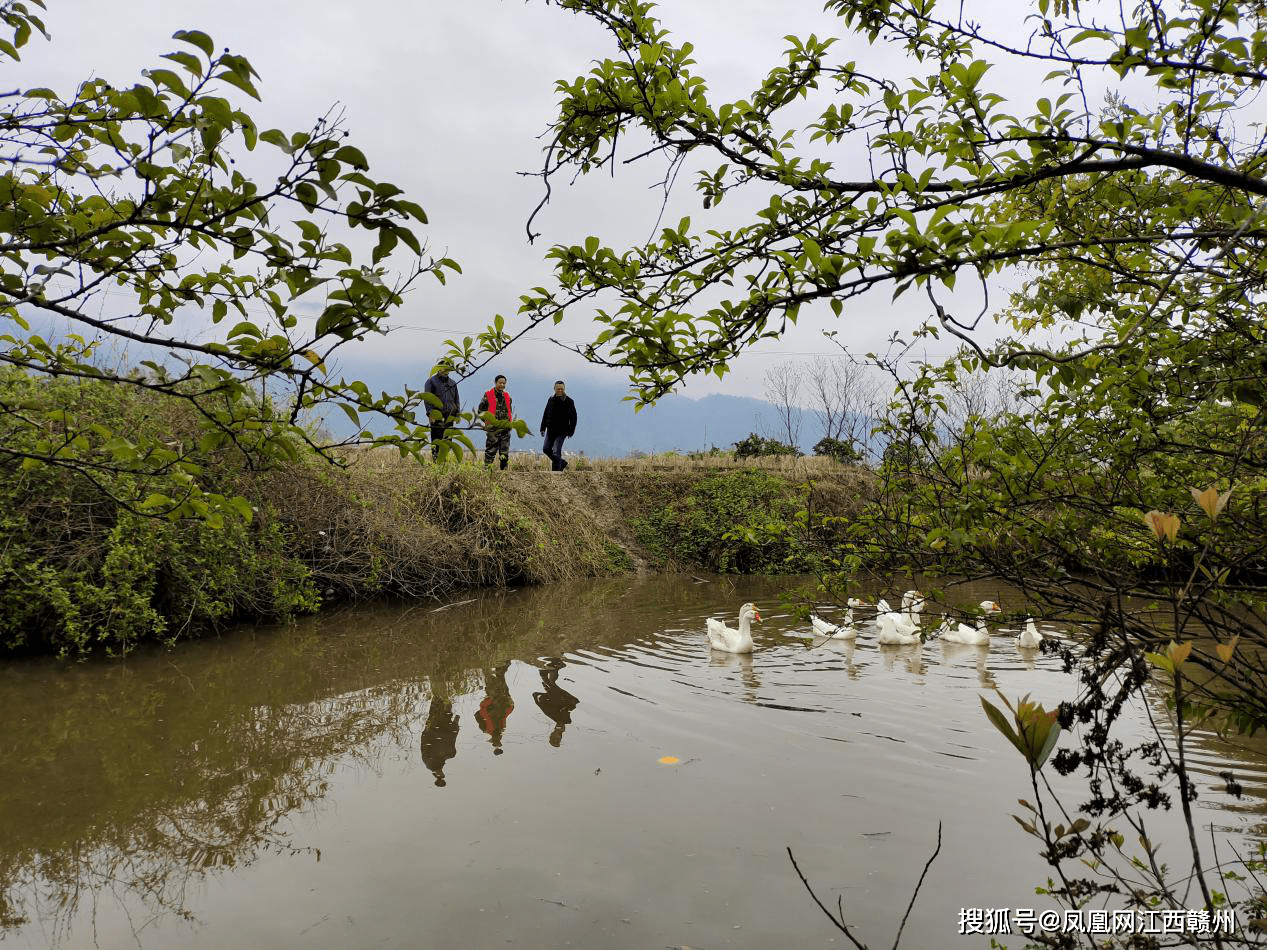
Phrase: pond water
[530,769]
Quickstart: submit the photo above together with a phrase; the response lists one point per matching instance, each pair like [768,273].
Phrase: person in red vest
[497,401]
[496,706]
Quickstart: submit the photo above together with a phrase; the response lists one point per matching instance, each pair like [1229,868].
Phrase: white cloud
[448,100]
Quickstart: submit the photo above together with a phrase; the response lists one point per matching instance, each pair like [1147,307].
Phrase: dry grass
[387,524]
[807,466]
[813,466]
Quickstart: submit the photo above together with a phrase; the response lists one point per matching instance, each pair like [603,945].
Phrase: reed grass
[386,524]
[807,465]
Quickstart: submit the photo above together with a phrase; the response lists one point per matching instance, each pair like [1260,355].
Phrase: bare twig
[839,922]
[838,919]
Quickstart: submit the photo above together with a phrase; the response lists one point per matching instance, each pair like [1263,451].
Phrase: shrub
[730,523]
[81,568]
[755,446]
[842,450]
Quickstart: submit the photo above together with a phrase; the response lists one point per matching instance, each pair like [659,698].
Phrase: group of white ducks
[893,627]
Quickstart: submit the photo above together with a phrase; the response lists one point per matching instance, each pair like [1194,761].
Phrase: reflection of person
[446,390]
[555,701]
[497,401]
[496,706]
[558,422]
[439,737]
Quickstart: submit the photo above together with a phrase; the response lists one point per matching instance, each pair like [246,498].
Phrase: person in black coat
[558,422]
[446,390]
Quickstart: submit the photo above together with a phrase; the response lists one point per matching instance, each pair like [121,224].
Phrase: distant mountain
[607,425]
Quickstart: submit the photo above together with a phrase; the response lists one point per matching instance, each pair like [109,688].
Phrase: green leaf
[350,155]
[240,81]
[1159,661]
[197,38]
[211,441]
[277,138]
[351,414]
[190,63]
[168,79]
[1048,743]
[1000,723]
[306,192]
[246,328]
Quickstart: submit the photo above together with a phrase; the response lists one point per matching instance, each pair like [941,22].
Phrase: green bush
[755,446]
[841,450]
[84,567]
[734,523]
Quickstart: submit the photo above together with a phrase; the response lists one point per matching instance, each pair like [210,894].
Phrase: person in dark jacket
[446,390]
[558,422]
[497,401]
[555,701]
[439,737]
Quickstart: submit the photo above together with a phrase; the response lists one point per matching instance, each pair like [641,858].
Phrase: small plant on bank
[756,446]
[841,450]
[728,523]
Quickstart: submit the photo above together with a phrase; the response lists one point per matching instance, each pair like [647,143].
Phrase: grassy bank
[85,568]
[386,525]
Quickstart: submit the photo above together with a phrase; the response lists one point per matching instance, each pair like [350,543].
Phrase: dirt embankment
[386,525]
[614,500]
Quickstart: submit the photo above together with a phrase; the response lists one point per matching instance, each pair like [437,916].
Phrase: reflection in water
[439,737]
[959,653]
[742,662]
[495,707]
[141,778]
[555,701]
[850,666]
[195,780]
[1029,656]
[909,657]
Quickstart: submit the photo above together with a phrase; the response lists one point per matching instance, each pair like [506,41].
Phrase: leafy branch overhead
[1105,157]
[1147,191]
[127,214]
[1103,163]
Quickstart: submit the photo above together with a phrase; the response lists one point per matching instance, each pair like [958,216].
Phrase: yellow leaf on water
[670,760]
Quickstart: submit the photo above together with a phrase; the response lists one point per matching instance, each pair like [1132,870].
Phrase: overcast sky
[449,100]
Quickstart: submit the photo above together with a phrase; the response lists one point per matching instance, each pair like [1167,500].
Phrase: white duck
[913,601]
[893,633]
[913,605]
[973,636]
[729,640]
[943,628]
[1029,637]
[907,619]
[845,630]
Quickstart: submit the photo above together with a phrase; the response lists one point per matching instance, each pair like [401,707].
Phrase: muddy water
[551,768]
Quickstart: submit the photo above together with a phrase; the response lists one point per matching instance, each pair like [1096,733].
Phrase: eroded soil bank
[85,575]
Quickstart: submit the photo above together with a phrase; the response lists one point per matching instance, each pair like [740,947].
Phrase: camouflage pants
[498,444]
